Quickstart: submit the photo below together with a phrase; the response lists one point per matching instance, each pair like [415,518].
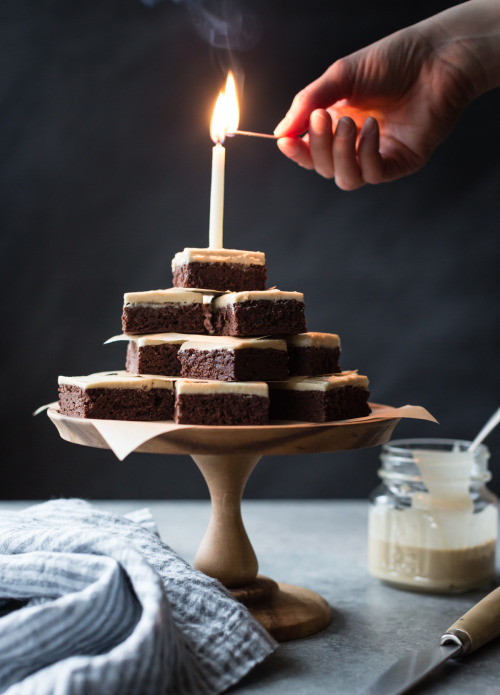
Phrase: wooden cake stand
[226,457]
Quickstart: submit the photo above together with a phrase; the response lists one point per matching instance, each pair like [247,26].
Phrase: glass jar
[432,522]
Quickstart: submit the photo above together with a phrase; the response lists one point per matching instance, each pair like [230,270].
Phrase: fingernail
[369,126]
[344,127]
[288,147]
[282,127]
[320,122]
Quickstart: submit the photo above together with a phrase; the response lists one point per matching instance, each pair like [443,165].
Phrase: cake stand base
[286,611]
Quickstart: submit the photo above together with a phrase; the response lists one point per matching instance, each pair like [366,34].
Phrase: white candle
[224,120]
[217,197]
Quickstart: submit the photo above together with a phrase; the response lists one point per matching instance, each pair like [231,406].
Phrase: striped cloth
[94,603]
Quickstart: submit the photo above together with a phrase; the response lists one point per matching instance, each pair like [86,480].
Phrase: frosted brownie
[164,311]
[234,359]
[311,354]
[220,269]
[221,402]
[153,353]
[117,396]
[156,353]
[320,399]
[271,312]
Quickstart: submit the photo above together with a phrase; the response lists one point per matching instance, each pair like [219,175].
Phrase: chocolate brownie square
[311,354]
[221,402]
[234,359]
[220,269]
[320,399]
[117,396]
[154,353]
[271,312]
[153,358]
[164,311]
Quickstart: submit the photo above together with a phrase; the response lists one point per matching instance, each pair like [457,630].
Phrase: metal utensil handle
[478,626]
[484,432]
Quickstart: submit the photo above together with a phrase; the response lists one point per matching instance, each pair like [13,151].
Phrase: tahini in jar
[433,523]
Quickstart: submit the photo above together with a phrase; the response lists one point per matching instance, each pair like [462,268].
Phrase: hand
[380,113]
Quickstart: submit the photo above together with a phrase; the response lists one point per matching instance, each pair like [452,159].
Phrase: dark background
[105,175]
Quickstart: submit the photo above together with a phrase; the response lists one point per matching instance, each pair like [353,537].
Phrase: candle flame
[226,112]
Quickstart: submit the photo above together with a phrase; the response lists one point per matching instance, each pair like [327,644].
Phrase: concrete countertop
[321,545]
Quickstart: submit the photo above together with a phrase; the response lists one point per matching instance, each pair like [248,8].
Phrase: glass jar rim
[405,446]
[399,453]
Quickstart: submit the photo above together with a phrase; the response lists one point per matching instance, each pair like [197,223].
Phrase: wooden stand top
[276,438]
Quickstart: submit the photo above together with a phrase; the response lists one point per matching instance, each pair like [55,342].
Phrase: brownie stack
[219,349]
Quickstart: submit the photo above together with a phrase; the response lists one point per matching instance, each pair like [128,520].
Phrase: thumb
[333,85]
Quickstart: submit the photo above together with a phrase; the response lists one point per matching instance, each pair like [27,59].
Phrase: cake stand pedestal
[226,456]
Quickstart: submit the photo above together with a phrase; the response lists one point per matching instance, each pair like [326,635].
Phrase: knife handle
[478,626]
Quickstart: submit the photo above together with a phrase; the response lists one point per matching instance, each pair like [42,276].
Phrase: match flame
[226,112]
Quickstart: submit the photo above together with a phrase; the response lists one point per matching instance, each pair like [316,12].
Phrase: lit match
[252,135]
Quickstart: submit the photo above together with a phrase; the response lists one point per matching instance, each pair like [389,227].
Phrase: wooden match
[254,135]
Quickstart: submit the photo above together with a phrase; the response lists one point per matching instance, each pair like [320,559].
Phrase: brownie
[155,353]
[116,396]
[271,312]
[219,269]
[164,311]
[230,276]
[221,403]
[160,358]
[311,354]
[234,359]
[320,399]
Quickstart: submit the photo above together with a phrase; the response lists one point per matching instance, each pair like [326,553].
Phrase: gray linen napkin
[96,603]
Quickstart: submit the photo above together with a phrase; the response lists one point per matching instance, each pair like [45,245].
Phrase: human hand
[380,113]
